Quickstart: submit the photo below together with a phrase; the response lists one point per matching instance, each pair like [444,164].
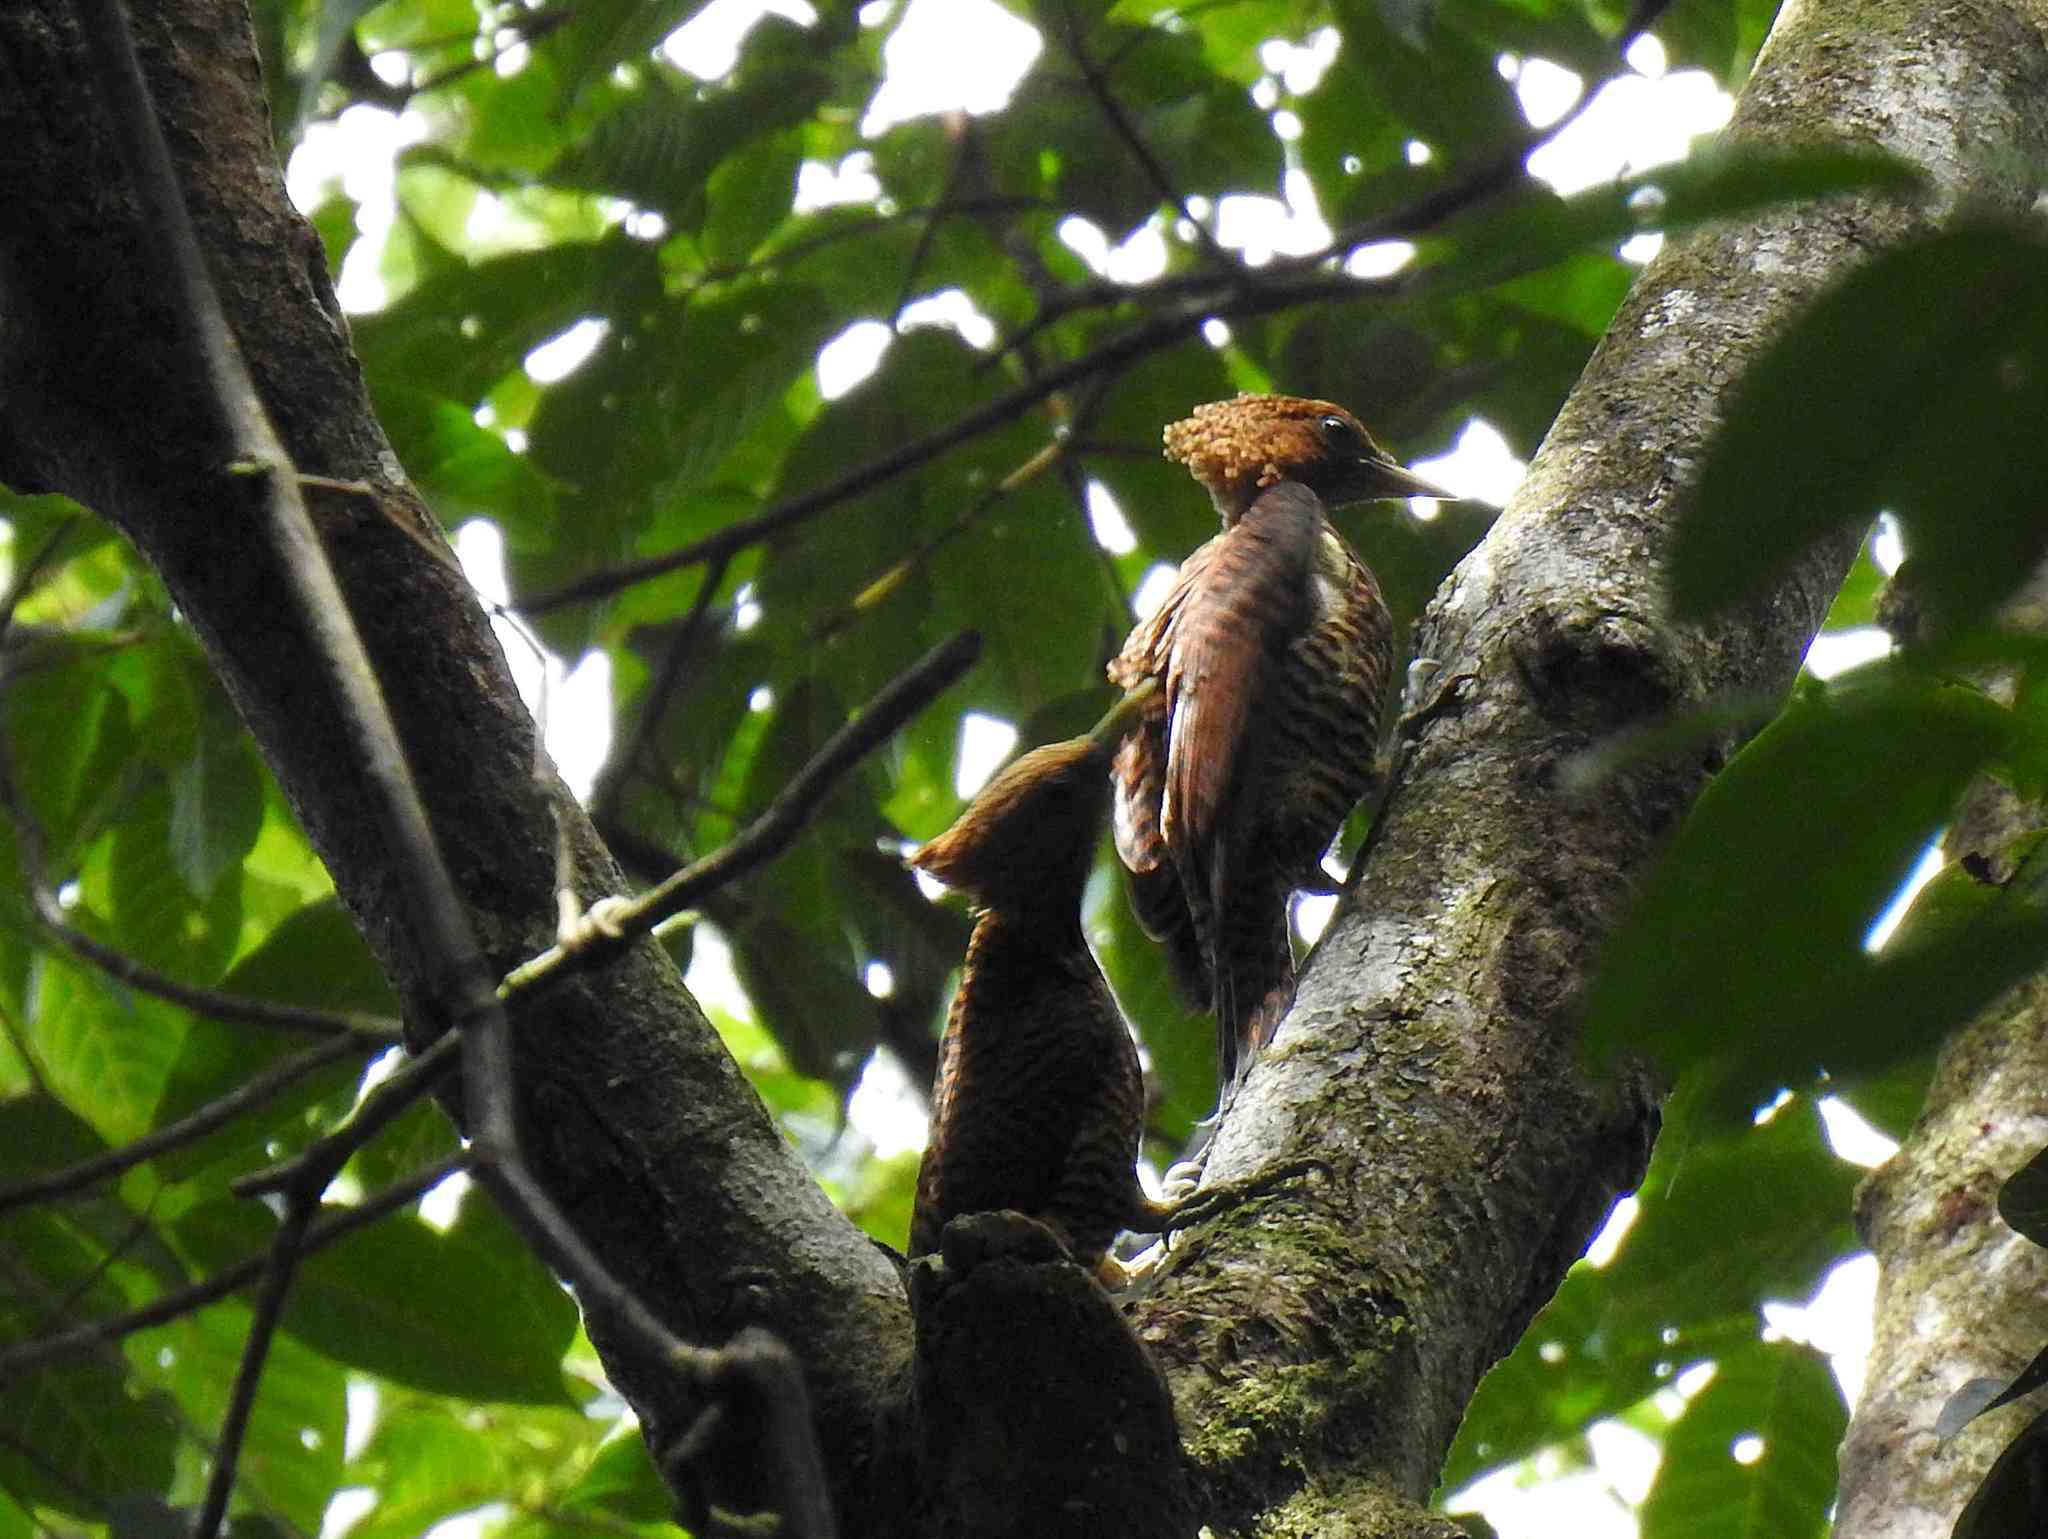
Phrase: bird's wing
[1238,610]
[1138,772]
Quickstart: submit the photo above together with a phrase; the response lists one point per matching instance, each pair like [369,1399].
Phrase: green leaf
[427,1461]
[2023,1199]
[466,471]
[2013,1500]
[1719,182]
[106,1053]
[749,196]
[1180,1042]
[1685,1287]
[459,332]
[1450,95]
[622,1483]
[1783,1396]
[91,1435]
[292,1454]
[1745,935]
[400,1299]
[1928,358]
[1856,603]
[658,146]
[216,800]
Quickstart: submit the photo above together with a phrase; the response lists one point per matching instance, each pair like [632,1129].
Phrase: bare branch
[63,1345]
[355,1028]
[1097,81]
[1147,337]
[772,832]
[223,1109]
[832,623]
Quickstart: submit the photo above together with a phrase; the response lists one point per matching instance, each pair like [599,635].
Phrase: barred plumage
[1275,650]
[1039,1103]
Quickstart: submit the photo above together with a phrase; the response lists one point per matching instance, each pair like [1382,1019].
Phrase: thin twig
[351,1026]
[32,570]
[280,1267]
[53,1472]
[660,694]
[873,593]
[229,1280]
[782,820]
[319,1161]
[1141,340]
[1076,481]
[222,1109]
[1180,302]
[1112,109]
[30,1286]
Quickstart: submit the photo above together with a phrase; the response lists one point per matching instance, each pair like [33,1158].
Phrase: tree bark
[1960,1295]
[639,1123]
[1320,1363]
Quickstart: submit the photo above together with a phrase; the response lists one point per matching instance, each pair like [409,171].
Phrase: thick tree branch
[465,989]
[1930,1215]
[1430,1055]
[678,1178]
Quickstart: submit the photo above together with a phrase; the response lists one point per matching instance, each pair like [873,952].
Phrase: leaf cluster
[569,179]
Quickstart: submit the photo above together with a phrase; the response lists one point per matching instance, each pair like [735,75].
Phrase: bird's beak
[1384,478]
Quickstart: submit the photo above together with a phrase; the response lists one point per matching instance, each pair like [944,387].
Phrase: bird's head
[1239,448]
[1027,839]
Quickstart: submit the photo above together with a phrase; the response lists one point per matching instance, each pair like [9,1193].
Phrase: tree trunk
[1960,1295]
[1321,1365]
[641,1126]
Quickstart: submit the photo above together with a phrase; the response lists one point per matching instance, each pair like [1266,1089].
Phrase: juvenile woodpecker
[1273,654]
[1039,1103]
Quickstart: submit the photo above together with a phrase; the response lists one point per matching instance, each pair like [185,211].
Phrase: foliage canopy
[794,552]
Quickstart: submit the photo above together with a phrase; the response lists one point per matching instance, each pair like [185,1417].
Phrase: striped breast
[1326,717]
[1039,1101]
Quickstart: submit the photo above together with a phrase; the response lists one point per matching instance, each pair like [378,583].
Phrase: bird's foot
[1422,673]
[1426,697]
[1118,1274]
[1180,1182]
[578,929]
[1210,1201]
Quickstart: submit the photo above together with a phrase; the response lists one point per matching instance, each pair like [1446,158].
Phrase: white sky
[970,54]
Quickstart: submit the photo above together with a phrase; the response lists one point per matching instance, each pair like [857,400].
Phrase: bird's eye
[1339,433]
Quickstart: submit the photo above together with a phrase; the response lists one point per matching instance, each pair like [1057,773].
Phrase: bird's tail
[1161,906]
[1253,966]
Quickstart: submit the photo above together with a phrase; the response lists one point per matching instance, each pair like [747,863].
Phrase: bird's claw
[1132,1271]
[1422,673]
[1180,1181]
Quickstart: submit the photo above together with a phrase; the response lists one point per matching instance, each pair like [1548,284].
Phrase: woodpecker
[1039,1102]
[1273,654]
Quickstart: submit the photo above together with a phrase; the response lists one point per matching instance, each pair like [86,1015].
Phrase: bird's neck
[1034,927]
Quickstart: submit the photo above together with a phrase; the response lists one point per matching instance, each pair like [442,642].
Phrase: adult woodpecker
[1273,654]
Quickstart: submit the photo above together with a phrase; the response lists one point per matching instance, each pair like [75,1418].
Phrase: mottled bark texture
[1322,1349]
[638,1121]
[1960,1295]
